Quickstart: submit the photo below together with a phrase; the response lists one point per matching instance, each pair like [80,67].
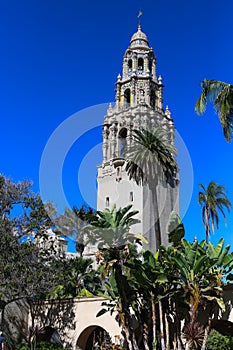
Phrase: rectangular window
[131,196]
[107,202]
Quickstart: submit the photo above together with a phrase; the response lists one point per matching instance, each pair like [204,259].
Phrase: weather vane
[139,16]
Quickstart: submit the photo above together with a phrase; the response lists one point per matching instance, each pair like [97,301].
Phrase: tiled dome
[139,38]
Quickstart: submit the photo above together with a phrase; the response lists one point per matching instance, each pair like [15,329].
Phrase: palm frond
[213,200]
[221,95]
[148,154]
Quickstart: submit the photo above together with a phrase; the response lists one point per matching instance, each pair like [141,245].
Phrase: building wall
[74,319]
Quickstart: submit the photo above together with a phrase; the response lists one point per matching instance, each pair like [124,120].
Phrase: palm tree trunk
[180,345]
[127,335]
[167,332]
[177,335]
[207,225]
[207,331]
[3,305]
[155,240]
[157,222]
[145,337]
[143,329]
[161,326]
[153,309]
[125,309]
[2,311]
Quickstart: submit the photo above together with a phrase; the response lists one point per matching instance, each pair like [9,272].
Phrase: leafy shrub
[23,347]
[41,346]
[217,341]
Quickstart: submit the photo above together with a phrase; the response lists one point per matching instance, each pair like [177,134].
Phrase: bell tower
[138,105]
[139,83]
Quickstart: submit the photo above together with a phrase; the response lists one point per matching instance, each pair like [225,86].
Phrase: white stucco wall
[74,319]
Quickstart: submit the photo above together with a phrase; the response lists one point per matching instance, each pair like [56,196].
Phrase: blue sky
[60,57]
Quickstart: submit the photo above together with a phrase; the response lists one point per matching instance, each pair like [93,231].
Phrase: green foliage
[47,346]
[110,228]
[217,341]
[177,283]
[221,95]
[12,195]
[176,229]
[29,258]
[73,223]
[213,200]
[44,345]
[76,278]
[150,149]
[23,347]
[28,270]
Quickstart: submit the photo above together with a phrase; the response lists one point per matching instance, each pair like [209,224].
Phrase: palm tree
[181,281]
[221,94]
[157,284]
[193,265]
[176,230]
[222,270]
[72,224]
[149,157]
[151,153]
[110,228]
[77,278]
[202,269]
[213,200]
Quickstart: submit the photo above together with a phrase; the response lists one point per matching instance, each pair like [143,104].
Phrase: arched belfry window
[140,65]
[122,141]
[127,97]
[152,98]
[130,66]
[150,66]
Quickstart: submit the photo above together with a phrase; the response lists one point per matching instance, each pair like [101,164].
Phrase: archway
[127,97]
[93,338]
[130,66]
[150,66]
[152,99]
[122,141]
[140,65]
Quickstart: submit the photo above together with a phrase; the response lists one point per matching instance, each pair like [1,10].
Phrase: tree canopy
[221,95]
[213,200]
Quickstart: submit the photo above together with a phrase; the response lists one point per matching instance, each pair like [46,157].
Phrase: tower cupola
[139,98]
[139,39]
[138,83]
